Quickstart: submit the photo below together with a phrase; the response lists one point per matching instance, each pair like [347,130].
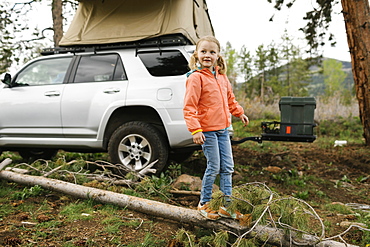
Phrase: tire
[135,145]
[34,154]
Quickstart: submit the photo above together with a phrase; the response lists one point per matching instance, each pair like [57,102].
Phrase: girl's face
[207,54]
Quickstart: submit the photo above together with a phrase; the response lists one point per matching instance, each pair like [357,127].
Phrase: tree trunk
[57,12]
[158,209]
[357,21]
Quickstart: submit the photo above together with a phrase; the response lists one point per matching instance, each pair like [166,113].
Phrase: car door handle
[52,93]
[111,90]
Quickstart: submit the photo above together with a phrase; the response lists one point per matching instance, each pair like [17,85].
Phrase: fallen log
[162,210]
[158,209]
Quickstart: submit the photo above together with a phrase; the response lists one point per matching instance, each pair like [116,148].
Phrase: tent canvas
[113,21]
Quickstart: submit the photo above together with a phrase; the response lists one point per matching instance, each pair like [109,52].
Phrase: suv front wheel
[136,144]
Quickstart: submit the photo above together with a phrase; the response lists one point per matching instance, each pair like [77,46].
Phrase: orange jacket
[208,102]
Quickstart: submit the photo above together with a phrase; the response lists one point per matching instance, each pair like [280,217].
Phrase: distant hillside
[316,86]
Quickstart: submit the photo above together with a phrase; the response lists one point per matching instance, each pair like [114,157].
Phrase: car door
[98,86]
[31,108]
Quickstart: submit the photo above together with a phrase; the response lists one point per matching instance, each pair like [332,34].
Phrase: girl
[208,102]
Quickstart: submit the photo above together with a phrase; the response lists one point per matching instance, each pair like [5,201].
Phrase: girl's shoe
[208,213]
[226,213]
[244,219]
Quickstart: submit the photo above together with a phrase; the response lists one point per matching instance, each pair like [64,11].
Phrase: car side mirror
[7,80]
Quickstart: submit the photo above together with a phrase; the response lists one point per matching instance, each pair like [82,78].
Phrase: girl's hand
[199,138]
[244,119]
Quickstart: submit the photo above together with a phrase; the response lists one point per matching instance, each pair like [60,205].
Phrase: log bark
[159,209]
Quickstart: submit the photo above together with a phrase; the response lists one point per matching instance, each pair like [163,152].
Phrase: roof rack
[165,40]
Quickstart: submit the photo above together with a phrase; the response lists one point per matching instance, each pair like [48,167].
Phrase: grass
[36,190]
[338,208]
[80,210]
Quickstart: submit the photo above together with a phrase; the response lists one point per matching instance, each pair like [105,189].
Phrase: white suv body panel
[40,120]
[74,115]
[89,104]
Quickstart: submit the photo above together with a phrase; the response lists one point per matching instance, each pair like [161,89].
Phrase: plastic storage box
[297,115]
[297,121]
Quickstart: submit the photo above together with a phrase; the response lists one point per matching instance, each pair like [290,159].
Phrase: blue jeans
[218,152]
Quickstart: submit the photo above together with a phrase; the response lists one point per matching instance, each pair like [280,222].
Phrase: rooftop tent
[113,21]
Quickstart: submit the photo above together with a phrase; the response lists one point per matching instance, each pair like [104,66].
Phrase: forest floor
[318,175]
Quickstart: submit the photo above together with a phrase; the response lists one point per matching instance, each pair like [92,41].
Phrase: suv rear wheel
[136,144]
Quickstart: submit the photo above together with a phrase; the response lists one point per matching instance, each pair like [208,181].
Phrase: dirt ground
[339,175]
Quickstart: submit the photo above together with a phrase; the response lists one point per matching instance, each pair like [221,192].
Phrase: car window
[97,68]
[44,72]
[164,63]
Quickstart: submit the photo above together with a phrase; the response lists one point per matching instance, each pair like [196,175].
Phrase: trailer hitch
[254,138]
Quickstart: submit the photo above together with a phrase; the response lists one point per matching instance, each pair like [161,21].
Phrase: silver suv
[124,99]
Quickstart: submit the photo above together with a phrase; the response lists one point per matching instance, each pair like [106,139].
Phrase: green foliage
[34,191]
[173,171]
[295,74]
[18,43]
[155,186]
[334,76]
[273,70]
[6,39]
[231,57]
[318,21]
[248,243]
[292,213]
[221,239]
[304,195]
[343,129]
[185,237]
[245,63]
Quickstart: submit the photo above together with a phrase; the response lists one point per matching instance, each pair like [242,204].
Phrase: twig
[185,192]
[29,166]
[52,171]
[17,170]
[114,181]
[347,230]
[4,163]
[307,239]
[148,169]
[142,221]
[190,242]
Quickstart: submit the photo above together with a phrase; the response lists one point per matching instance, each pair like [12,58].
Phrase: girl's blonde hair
[221,63]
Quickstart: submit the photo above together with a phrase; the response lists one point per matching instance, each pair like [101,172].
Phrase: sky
[246,22]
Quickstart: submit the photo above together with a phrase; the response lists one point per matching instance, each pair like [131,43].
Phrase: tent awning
[113,21]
